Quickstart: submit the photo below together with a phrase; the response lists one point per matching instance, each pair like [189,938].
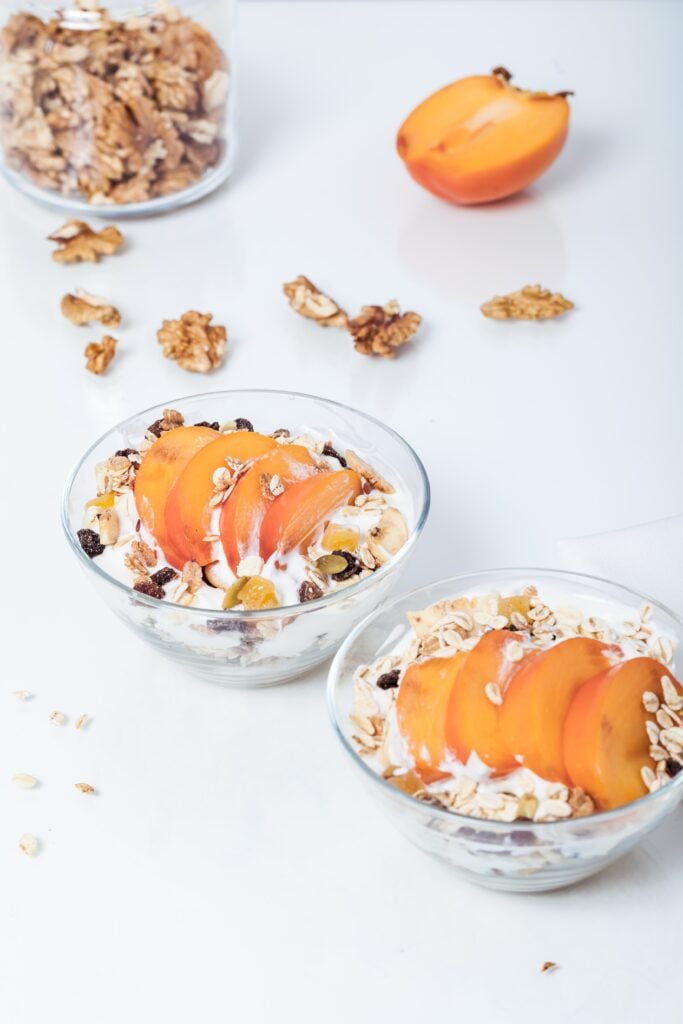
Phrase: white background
[231,867]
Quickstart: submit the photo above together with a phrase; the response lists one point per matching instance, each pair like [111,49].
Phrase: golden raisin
[102,501]
[258,593]
[337,537]
[519,603]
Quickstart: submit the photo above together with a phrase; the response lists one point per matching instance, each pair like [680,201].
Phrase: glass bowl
[254,648]
[522,856]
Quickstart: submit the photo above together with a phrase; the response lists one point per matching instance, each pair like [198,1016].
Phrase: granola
[532,302]
[388,722]
[115,111]
[193,342]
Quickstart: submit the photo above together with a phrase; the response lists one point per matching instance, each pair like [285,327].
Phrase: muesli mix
[222,516]
[522,708]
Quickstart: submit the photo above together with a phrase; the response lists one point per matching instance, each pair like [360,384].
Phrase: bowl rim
[441,812]
[267,613]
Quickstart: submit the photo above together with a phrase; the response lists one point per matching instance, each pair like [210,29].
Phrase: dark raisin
[309,591]
[205,423]
[228,626]
[90,542]
[353,567]
[389,680]
[673,767]
[137,526]
[163,576]
[127,452]
[149,588]
[511,627]
[156,428]
[242,424]
[334,454]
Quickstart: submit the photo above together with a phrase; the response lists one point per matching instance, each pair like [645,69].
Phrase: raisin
[150,588]
[156,428]
[127,452]
[228,626]
[353,566]
[163,576]
[205,423]
[334,454]
[309,591]
[242,424]
[389,680]
[673,767]
[90,542]
[282,432]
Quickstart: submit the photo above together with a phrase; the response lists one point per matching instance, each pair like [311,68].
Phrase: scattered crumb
[57,717]
[81,722]
[24,781]
[28,844]
[85,787]
[549,965]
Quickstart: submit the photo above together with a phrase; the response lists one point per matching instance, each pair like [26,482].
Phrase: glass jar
[120,110]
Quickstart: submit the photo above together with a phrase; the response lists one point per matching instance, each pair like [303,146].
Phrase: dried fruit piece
[258,593]
[387,538]
[146,586]
[389,680]
[338,537]
[309,591]
[193,342]
[307,300]
[83,308]
[99,354]
[90,542]
[381,330]
[79,243]
[232,598]
[332,453]
[163,576]
[242,424]
[352,567]
[28,844]
[532,302]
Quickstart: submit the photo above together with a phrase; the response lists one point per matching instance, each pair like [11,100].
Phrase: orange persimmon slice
[537,701]
[159,470]
[244,511]
[481,138]
[605,738]
[294,515]
[473,720]
[188,515]
[421,707]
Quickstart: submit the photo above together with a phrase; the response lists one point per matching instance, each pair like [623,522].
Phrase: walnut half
[83,308]
[100,354]
[380,330]
[532,302]
[79,243]
[192,342]
[307,300]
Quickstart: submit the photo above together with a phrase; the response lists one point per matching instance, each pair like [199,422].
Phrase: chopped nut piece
[84,787]
[81,722]
[192,342]
[115,474]
[192,577]
[57,717]
[83,308]
[581,804]
[99,354]
[365,470]
[140,558]
[24,781]
[530,303]
[549,965]
[79,243]
[169,421]
[381,330]
[28,844]
[309,301]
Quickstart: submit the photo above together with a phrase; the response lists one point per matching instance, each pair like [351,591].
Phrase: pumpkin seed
[331,564]
[232,594]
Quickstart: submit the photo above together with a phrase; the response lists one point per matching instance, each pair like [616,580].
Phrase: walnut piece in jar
[99,354]
[193,342]
[532,302]
[81,308]
[79,243]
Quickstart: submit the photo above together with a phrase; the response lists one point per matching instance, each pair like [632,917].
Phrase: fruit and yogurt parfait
[523,706]
[223,516]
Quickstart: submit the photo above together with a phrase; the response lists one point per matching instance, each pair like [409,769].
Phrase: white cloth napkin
[647,557]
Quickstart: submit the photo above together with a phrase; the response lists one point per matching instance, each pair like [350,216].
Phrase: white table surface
[231,866]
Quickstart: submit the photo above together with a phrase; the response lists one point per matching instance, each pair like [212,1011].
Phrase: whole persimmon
[481,138]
